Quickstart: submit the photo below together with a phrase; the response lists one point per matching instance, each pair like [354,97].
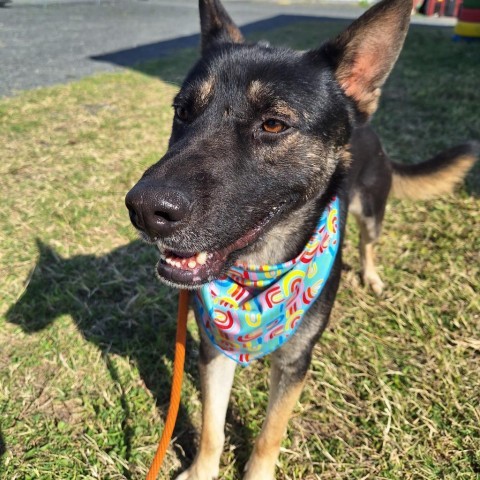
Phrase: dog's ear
[216,25]
[364,54]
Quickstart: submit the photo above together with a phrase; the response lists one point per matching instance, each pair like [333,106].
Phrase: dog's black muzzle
[155,209]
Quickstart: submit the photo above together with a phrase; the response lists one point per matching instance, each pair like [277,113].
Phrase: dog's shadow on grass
[119,305]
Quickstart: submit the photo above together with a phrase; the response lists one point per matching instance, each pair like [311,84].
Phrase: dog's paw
[373,281]
[198,472]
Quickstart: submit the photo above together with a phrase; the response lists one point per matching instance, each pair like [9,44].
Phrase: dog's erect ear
[216,25]
[364,54]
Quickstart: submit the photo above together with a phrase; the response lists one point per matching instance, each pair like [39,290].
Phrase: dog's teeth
[201,258]
[178,264]
[192,264]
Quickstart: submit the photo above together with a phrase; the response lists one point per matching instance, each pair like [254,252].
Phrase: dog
[264,139]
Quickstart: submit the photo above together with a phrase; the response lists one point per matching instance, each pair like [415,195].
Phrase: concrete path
[44,43]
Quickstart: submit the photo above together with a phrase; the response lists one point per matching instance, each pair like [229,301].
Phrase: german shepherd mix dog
[263,139]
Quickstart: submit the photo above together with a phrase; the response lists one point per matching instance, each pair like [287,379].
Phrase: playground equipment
[468,25]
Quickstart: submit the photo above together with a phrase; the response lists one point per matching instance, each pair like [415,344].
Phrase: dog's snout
[156,210]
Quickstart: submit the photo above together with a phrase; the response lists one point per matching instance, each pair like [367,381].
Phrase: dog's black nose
[156,210]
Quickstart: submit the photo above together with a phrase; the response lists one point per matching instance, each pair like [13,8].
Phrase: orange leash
[178,364]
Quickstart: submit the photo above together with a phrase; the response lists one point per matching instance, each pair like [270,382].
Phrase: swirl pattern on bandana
[254,310]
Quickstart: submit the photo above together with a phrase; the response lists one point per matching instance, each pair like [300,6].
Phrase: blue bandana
[253,310]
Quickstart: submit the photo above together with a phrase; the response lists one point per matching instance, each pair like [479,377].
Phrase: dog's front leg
[216,376]
[286,383]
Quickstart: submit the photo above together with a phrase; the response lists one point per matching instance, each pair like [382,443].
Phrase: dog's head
[258,133]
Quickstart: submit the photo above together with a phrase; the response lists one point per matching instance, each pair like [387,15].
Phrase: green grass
[86,331]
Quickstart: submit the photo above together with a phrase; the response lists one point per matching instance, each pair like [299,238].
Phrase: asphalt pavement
[43,42]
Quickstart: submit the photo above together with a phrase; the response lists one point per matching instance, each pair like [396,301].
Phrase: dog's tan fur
[424,187]
[261,465]
[205,91]
[216,381]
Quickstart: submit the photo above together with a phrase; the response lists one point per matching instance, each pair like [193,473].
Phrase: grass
[86,331]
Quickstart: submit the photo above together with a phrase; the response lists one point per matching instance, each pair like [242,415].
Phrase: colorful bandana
[253,310]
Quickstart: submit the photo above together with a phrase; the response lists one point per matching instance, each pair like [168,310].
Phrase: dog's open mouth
[192,269]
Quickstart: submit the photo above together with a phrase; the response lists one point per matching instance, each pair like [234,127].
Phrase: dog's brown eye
[181,113]
[273,126]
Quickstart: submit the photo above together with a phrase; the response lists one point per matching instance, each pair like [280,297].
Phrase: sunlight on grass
[86,333]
